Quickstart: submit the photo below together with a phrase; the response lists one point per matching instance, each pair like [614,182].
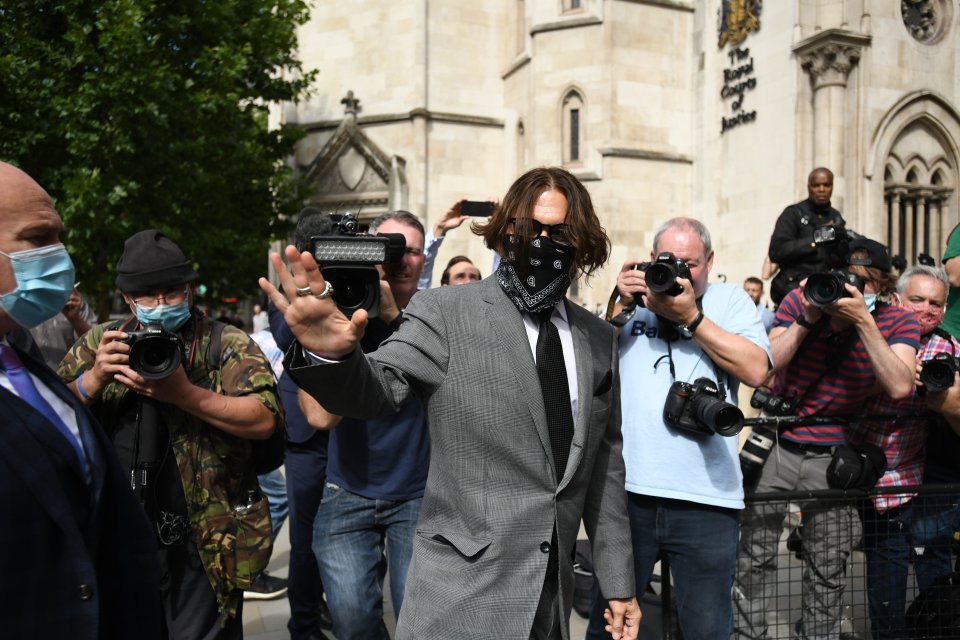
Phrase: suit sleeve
[412,362]
[785,244]
[605,510]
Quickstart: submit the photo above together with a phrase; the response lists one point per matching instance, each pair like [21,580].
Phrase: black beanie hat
[152,261]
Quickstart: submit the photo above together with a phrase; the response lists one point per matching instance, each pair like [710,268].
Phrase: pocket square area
[605,383]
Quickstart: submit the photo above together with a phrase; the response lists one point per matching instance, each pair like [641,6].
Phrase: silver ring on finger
[327,291]
[304,291]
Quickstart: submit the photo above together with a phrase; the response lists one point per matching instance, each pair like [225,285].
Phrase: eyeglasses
[173,295]
[530,228]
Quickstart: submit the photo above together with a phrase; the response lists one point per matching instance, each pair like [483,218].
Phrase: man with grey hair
[888,518]
[684,487]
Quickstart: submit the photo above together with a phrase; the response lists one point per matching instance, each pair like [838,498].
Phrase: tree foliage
[135,114]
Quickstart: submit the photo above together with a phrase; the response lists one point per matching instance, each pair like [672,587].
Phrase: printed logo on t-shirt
[640,328]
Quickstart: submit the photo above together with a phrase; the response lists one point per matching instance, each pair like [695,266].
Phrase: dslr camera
[937,373]
[826,288]
[773,405]
[346,259]
[155,353]
[661,274]
[700,408]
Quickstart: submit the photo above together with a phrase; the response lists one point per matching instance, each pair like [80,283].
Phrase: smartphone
[476,208]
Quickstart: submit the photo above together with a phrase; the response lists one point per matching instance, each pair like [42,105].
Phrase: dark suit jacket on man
[77,561]
[492,498]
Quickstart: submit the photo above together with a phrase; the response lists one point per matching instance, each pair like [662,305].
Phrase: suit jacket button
[85,592]
[545,547]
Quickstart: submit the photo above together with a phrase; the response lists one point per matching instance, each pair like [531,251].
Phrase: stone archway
[917,152]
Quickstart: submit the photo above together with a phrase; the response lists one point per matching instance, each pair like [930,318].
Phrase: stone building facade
[712,108]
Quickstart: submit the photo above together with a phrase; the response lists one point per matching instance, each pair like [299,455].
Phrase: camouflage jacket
[232,534]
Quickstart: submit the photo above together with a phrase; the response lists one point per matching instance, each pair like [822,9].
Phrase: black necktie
[556,393]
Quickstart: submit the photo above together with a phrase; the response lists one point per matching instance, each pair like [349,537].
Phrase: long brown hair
[588,237]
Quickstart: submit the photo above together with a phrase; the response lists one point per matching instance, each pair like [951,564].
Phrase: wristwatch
[803,322]
[686,330]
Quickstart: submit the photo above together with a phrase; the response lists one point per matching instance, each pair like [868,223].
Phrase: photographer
[829,360]
[684,488]
[809,236]
[183,434]
[376,470]
[887,519]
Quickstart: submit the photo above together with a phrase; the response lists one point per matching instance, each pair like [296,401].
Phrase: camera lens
[154,357]
[937,375]
[823,289]
[660,277]
[724,418]
[355,287]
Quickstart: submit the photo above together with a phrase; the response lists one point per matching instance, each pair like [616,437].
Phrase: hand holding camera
[661,292]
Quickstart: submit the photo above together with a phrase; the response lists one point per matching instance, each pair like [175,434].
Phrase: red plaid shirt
[901,440]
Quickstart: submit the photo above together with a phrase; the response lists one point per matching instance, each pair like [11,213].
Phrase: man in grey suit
[519,454]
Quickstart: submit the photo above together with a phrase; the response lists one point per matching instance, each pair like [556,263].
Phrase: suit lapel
[507,323]
[584,358]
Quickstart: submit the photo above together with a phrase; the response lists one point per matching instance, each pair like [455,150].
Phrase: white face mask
[871,300]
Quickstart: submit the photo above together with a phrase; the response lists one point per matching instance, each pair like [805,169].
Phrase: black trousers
[190,610]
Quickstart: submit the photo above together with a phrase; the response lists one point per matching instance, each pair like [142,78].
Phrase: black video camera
[346,259]
[826,288]
[155,353]
[661,274]
[773,405]
[700,408]
[938,372]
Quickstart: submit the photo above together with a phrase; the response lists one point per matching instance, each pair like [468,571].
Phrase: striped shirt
[901,440]
[843,388]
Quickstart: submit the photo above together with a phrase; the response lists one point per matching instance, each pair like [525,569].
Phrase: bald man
[78,556]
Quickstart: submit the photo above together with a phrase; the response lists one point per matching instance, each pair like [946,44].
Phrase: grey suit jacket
[492,498]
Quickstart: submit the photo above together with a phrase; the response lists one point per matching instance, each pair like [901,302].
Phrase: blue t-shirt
[385,459]
[662,461]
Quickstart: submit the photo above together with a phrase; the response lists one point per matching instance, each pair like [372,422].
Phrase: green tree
[153,113]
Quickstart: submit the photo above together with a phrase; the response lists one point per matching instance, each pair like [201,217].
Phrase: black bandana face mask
[545,281]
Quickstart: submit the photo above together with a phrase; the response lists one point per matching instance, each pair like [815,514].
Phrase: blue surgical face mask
[169,316]
[45,278]
[871,300]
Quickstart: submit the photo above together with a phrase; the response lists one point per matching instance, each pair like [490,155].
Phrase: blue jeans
[354,540]
[274,486]
[700,542]
[936,518]
[887,544]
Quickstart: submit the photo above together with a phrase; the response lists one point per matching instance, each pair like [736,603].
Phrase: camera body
[756,449]
[773,405]
[827,233]
[826,288]
[155,353]
[346,259]
[938,372]
[661,274]
[700,408]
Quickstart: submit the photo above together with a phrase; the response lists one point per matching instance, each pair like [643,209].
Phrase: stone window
[927,20]
[572,128]
[918,195]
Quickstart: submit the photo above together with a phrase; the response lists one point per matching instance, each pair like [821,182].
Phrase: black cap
[152,261]
[877,255]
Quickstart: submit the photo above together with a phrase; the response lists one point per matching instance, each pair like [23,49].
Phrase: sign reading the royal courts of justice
[737,19]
